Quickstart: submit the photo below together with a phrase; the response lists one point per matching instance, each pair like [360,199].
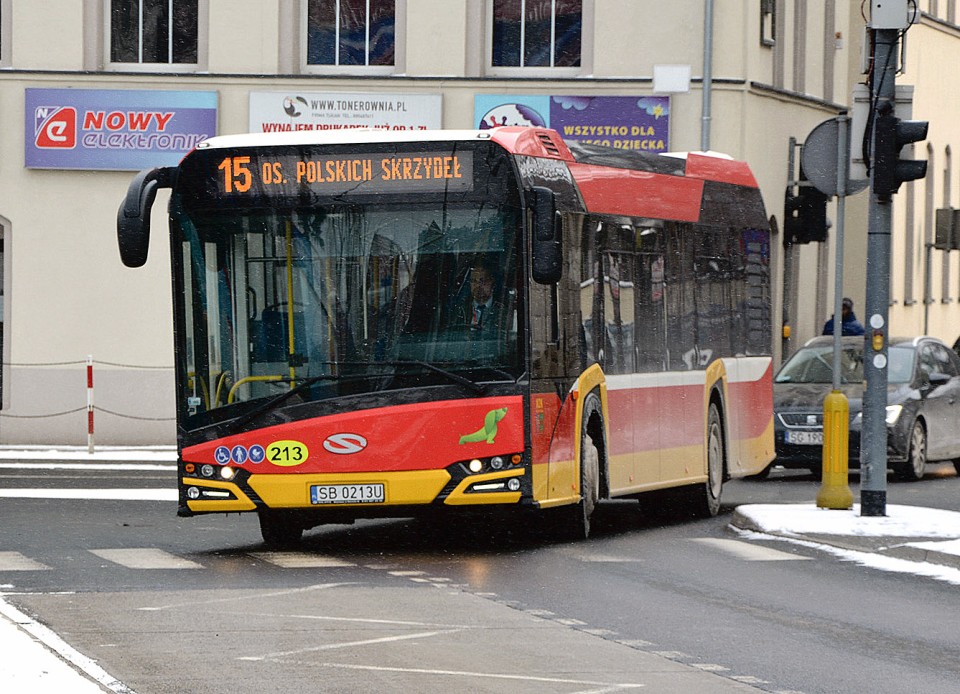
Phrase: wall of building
[67,296]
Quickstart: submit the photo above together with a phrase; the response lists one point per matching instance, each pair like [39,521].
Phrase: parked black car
[923,403]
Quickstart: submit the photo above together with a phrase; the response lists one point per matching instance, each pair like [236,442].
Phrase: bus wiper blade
[455,377]
[278,400]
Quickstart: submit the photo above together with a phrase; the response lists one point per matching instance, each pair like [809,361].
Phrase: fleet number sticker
[287,453]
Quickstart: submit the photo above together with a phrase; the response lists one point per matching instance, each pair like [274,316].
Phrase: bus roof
[587,162]
[537,142]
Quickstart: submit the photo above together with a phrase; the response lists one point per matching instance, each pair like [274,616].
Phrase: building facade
[92,90]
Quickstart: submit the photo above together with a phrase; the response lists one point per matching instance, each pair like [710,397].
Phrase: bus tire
[707,499]
[589,473]
[279,530]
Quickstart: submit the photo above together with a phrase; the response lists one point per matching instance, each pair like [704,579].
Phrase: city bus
[333,362]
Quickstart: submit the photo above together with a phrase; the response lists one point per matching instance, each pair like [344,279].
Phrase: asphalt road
[165,604]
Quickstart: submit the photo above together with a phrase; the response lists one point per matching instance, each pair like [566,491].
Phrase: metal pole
[787,328]
[707,75]
[834,490]
[873,444]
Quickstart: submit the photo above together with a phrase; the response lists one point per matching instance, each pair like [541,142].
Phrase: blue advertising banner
[114,129]
[623,122]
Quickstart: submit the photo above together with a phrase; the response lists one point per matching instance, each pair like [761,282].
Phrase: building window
[536,33]
[768,22]
[153,32]
[351,33]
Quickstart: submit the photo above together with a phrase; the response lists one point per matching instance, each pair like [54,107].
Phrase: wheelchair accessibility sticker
[240,454]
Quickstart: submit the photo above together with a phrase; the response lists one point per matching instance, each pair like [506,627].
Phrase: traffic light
[805,214]
[890,135]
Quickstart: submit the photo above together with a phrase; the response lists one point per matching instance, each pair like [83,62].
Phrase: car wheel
[913,469]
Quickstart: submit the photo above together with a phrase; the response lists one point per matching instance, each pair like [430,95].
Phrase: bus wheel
[707,503]
[279,530]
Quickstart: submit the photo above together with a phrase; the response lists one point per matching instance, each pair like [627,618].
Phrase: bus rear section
[379,324]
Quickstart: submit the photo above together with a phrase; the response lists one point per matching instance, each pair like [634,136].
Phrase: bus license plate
[805,438]
[347,494]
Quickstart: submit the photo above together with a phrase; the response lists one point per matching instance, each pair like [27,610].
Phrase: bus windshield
[354,298]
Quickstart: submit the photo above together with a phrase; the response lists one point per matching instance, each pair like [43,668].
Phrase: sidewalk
[909,539]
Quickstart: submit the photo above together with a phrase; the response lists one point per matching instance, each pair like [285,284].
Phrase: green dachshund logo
[489,430]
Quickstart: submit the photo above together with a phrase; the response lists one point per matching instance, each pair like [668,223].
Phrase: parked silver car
[923,403]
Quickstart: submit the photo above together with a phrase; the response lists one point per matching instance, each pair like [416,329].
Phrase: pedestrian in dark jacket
[849,324]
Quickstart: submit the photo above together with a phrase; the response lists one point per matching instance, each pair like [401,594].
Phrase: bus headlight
[513,484]
[227,473]
[496,462]
[475,465]
[193,493]
[207,470]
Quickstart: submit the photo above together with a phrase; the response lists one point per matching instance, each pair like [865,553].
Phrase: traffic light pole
[873,446]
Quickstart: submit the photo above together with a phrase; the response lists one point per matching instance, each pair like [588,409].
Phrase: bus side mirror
[133,217]
[547,230]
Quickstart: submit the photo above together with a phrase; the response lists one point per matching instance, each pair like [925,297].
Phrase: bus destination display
[296,173]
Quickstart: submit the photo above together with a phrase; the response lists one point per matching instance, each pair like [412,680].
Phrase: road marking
[145,558]
[124,467]
[14,561]
[748,551]
[349,644]
[237,598]
[607,686]
[92,494]
[300,560]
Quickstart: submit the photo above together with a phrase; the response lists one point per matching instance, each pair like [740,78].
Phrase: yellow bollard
[835,488]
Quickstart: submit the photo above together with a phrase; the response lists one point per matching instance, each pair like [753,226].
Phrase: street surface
[654,601]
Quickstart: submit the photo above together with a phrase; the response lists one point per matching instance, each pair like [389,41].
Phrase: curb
[904,548]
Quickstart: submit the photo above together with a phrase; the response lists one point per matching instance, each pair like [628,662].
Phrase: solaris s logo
[344,444]
[55,127]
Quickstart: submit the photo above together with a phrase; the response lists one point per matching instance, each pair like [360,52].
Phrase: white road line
[747,551]
[350,644]
[92,494]
[14,561]
[141,467]
[145,558]
[300,560]
[237,598]
[608,686]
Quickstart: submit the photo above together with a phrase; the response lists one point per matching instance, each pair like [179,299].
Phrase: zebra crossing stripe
[300,560]
[14,561]
[145,558]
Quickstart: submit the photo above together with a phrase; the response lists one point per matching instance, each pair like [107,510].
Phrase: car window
[945,363]
[815,365]
[900,361]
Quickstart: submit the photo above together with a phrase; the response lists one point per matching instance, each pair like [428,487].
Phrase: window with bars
[351,33]
[153,31]
[536,33]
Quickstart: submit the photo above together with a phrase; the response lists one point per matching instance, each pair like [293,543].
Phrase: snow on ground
[900,521]
[796,523]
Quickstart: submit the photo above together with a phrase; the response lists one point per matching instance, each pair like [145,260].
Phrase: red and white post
[90,404]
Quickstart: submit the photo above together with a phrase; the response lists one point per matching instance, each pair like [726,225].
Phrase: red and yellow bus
[333,361]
